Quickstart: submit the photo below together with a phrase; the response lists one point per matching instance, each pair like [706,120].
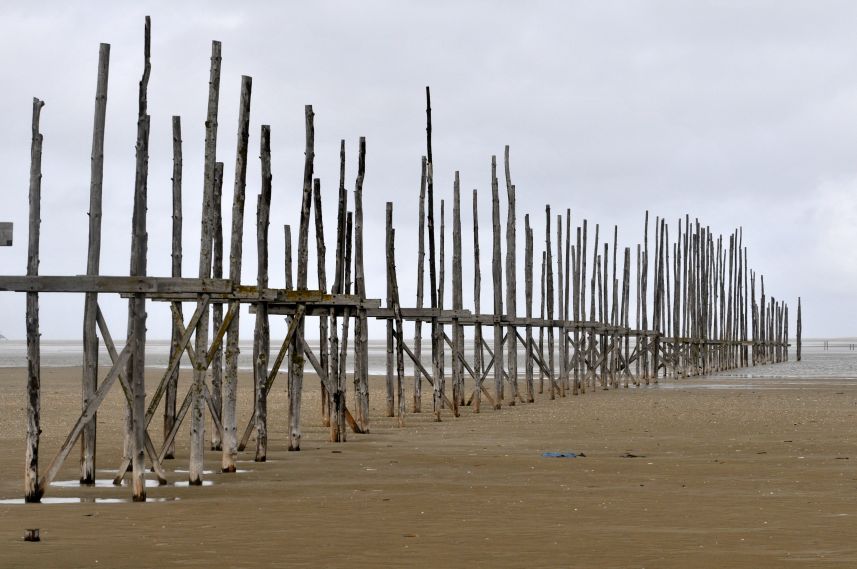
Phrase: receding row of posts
[705,314]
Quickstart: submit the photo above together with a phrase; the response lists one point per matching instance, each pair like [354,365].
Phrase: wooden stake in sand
[361,332]
[176,258]
[90,338]
[296,352]
[497,273]
[32,493]
[230,386]
[477,295]
[261,334]
[134,371]
[216,367]
[799,329]
[197,429]
[418,325]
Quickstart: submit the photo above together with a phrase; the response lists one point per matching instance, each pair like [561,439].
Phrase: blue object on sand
[560,455]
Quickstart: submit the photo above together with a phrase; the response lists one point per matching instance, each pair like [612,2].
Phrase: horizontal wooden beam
[83,283]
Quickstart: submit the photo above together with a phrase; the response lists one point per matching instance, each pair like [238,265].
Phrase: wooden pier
[699,307]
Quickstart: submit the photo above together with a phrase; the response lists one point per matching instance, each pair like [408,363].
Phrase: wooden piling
[261,334]
[418,325]
[457,301]
[216,367]
[361,333]
[230,385]
[176,258]
[528,302]
[323,322]
[197,429]
[90,337]
[497,274]
[477,295]
[511,283]
[32,493]
[296,351]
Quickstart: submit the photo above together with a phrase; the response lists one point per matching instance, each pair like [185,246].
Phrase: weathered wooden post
[541,326]
[799,329]
[397,312]
[32,493]
[565,303]
[216,367]
[176,258]
[361,332]
[261,334]
[337,396]
[550,301]
[478,363]
[559,312]
[511,283]
[418,325]
[90,337]
[323,339]
[457,301]
[497,273]
[528,301]
[440,375]
[197,428]
[296,351]
[137,303]
[236,247]
[437,395]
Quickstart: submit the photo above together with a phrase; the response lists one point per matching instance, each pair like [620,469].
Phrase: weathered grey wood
[135,369]
[542,317]
[236,247]
[321,253]
[528,302]
[563,372]
[216,368]
[32,492]
[565,309]
[390,326]
[550,298]
[799,330]
[576,362]
[361,333]
[394,297]
[296,353]
[176,273]
[497,274]
[511,280]
[337,396]
[478,362]
[418,326]
[89,381]
[457,299]
[197,428]
[287,256]
[440,372]
[261,334]
[437,366]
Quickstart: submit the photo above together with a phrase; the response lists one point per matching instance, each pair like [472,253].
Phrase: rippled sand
[764,475]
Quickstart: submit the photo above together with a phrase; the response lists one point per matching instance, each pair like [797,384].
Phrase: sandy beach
[678,476]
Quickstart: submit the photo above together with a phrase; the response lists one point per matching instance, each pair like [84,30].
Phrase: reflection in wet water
[86,500]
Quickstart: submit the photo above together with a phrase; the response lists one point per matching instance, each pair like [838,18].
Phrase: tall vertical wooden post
[457,301]
[262,333]
[562,370]
[176,258]
[197,427]
[361,340]
[337,396]
[440,375]
[550,301]
[216,368]
[296,351]
[511,282]
[90,338]
[418,325]
[528,301]
[541,326]
[497,273]
[436,340]
[31,458]
[394,298]
[477,295]
[799,330]
[236,247]
[324,347]
[137,303]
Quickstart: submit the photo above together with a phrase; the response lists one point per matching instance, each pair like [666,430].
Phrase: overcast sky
[739,113]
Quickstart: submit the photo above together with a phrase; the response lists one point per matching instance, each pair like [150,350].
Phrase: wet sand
[720,477]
